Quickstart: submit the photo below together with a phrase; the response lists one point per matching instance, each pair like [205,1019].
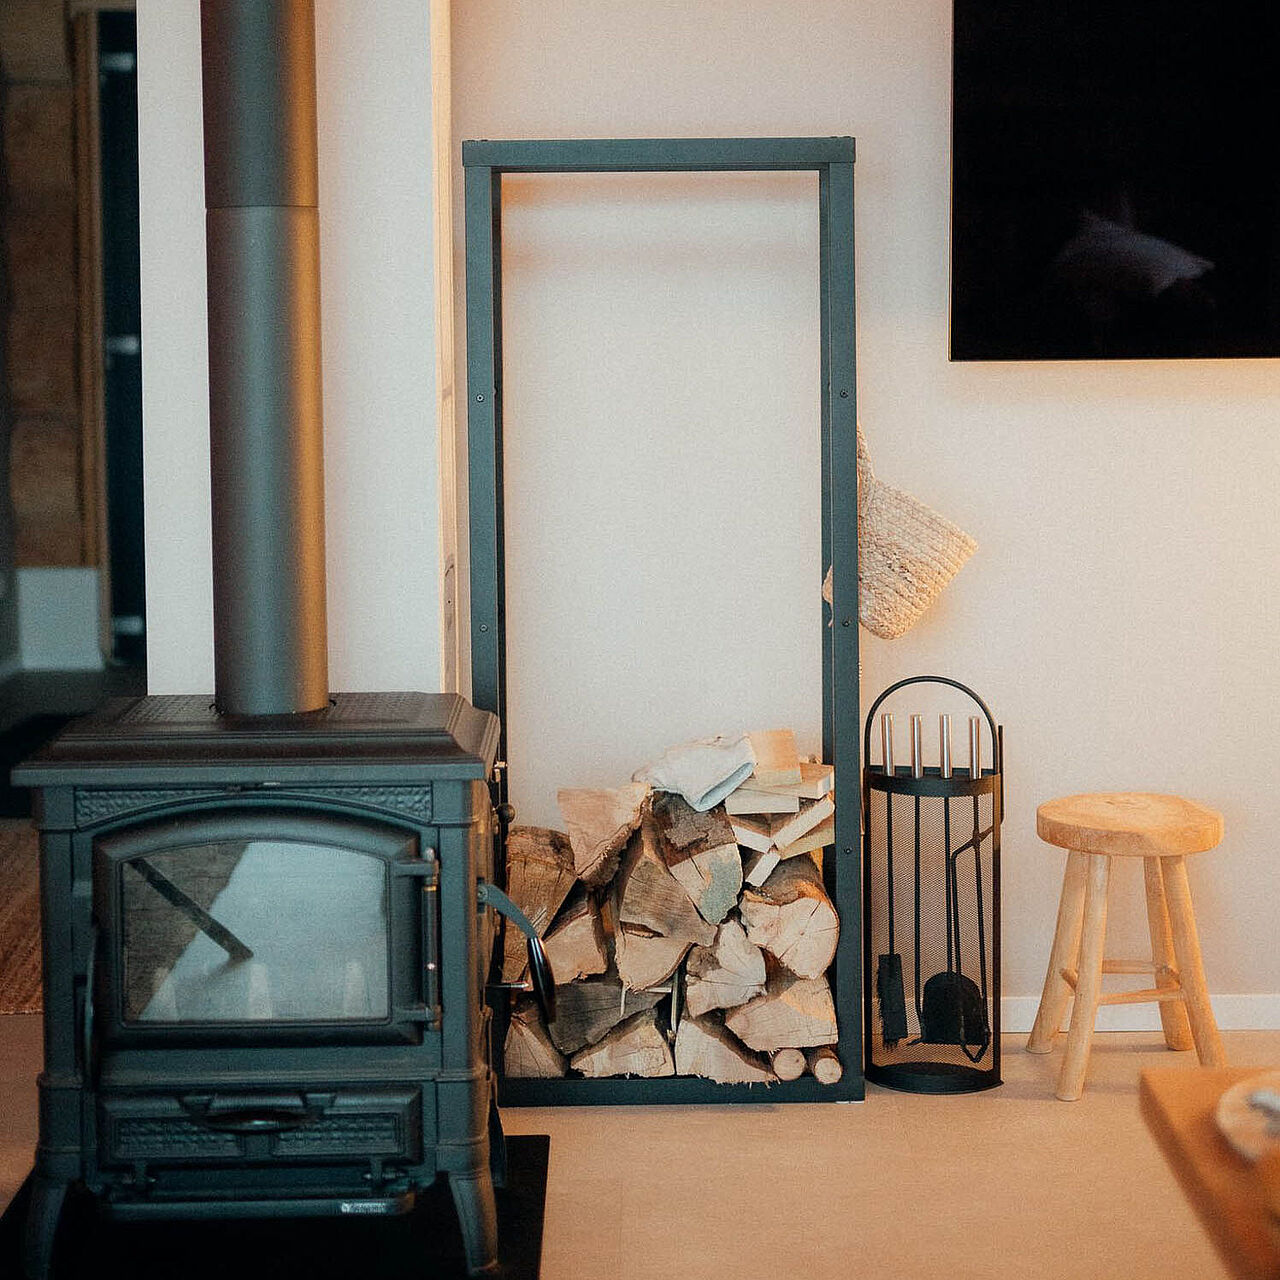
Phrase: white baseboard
[1233,1013]
[58,620]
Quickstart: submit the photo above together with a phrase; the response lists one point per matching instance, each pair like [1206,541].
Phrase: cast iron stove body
[264,961]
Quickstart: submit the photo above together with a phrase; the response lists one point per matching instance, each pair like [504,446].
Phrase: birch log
[704,1048]
[575,943]
[646,959]
[636,1047]
[792,918]
[528,1051]
[599,824]
[825,1065]
[539,876]
[724,975]
[793,1013]
[788,1064]
[585,1011]
[701,852]
[648,894]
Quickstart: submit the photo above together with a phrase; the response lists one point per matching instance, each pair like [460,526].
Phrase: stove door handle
[543,979]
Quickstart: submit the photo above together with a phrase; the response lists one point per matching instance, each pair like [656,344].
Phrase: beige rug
[19,918]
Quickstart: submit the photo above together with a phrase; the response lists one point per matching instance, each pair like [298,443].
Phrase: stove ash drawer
[257,1127]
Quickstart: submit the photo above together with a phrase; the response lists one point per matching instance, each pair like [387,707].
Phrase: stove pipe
[265,423]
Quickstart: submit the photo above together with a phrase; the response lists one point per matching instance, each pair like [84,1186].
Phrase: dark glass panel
[255,931]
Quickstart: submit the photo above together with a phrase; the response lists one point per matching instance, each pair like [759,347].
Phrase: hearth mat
[424,1245]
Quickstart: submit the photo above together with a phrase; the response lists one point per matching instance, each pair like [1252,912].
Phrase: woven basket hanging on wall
[907,553]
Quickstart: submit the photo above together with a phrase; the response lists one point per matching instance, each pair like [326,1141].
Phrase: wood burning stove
[264,936]
[264,962]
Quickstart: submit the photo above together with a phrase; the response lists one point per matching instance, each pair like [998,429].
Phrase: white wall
[377,282]
[1119,615]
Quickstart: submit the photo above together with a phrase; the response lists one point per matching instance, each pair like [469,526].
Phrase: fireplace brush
[890,990]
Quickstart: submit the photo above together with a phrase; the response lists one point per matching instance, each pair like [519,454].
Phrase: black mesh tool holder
[931,917]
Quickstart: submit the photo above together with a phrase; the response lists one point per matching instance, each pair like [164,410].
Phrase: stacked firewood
[683,942]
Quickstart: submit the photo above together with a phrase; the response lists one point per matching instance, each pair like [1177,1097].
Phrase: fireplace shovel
[543,980]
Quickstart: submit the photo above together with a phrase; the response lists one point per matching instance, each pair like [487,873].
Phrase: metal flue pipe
[266,425]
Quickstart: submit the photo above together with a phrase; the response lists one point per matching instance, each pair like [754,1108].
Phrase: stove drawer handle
[544,980]
[254,1119]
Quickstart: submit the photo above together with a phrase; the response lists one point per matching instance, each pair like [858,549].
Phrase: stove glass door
[254,931]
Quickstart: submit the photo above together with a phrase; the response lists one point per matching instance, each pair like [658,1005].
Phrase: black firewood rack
[485,163]
[931,916]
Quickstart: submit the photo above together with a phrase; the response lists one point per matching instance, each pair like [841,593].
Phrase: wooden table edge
[1253,1254]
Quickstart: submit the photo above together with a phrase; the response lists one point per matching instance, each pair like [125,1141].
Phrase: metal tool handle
[997,733]
[269,1119]
[541,977]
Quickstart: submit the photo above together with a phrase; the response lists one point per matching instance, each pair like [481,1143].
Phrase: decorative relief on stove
[410,802]
[158,1139]
[341,1135]
[93,805]
[377,708]
[170,709]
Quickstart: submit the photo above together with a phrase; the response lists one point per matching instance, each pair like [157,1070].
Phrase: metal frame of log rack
[484,164]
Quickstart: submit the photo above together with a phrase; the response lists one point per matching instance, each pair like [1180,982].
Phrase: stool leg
[1062,955]
[1093,939]
[1186,946]
[1173,1013]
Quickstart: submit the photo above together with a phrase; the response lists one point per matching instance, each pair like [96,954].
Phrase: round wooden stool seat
[1161,830]
[1131,824]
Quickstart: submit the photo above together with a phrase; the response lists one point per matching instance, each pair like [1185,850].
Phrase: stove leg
[478,1216]
[497,1145]
[41,1227]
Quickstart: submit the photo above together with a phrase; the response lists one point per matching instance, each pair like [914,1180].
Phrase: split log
[586,1010]
[637,1047]
[788,1064]
[792,918]
[727,974]
[599,824]
[645,959]
[825,1066]
[755,831]
[821,836]
[759,867]
[649,895]
[539,876]
[793,1013]
[529,1051]
[811,814]
[816,780]
[777,760]
[701,852]
[575,943]
[704,1048]
[747,801]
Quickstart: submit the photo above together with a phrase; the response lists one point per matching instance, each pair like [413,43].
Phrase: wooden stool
[1160,830]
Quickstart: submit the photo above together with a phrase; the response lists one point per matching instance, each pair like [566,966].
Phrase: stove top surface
[442,733]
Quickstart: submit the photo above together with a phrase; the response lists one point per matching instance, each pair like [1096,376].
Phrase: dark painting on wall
[1115,179]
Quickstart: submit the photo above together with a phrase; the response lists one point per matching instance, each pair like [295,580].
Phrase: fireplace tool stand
[931,907]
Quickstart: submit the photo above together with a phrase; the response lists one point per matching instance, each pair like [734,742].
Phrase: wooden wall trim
[446,399]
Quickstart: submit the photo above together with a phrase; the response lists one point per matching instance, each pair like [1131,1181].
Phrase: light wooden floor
[1007,1183]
